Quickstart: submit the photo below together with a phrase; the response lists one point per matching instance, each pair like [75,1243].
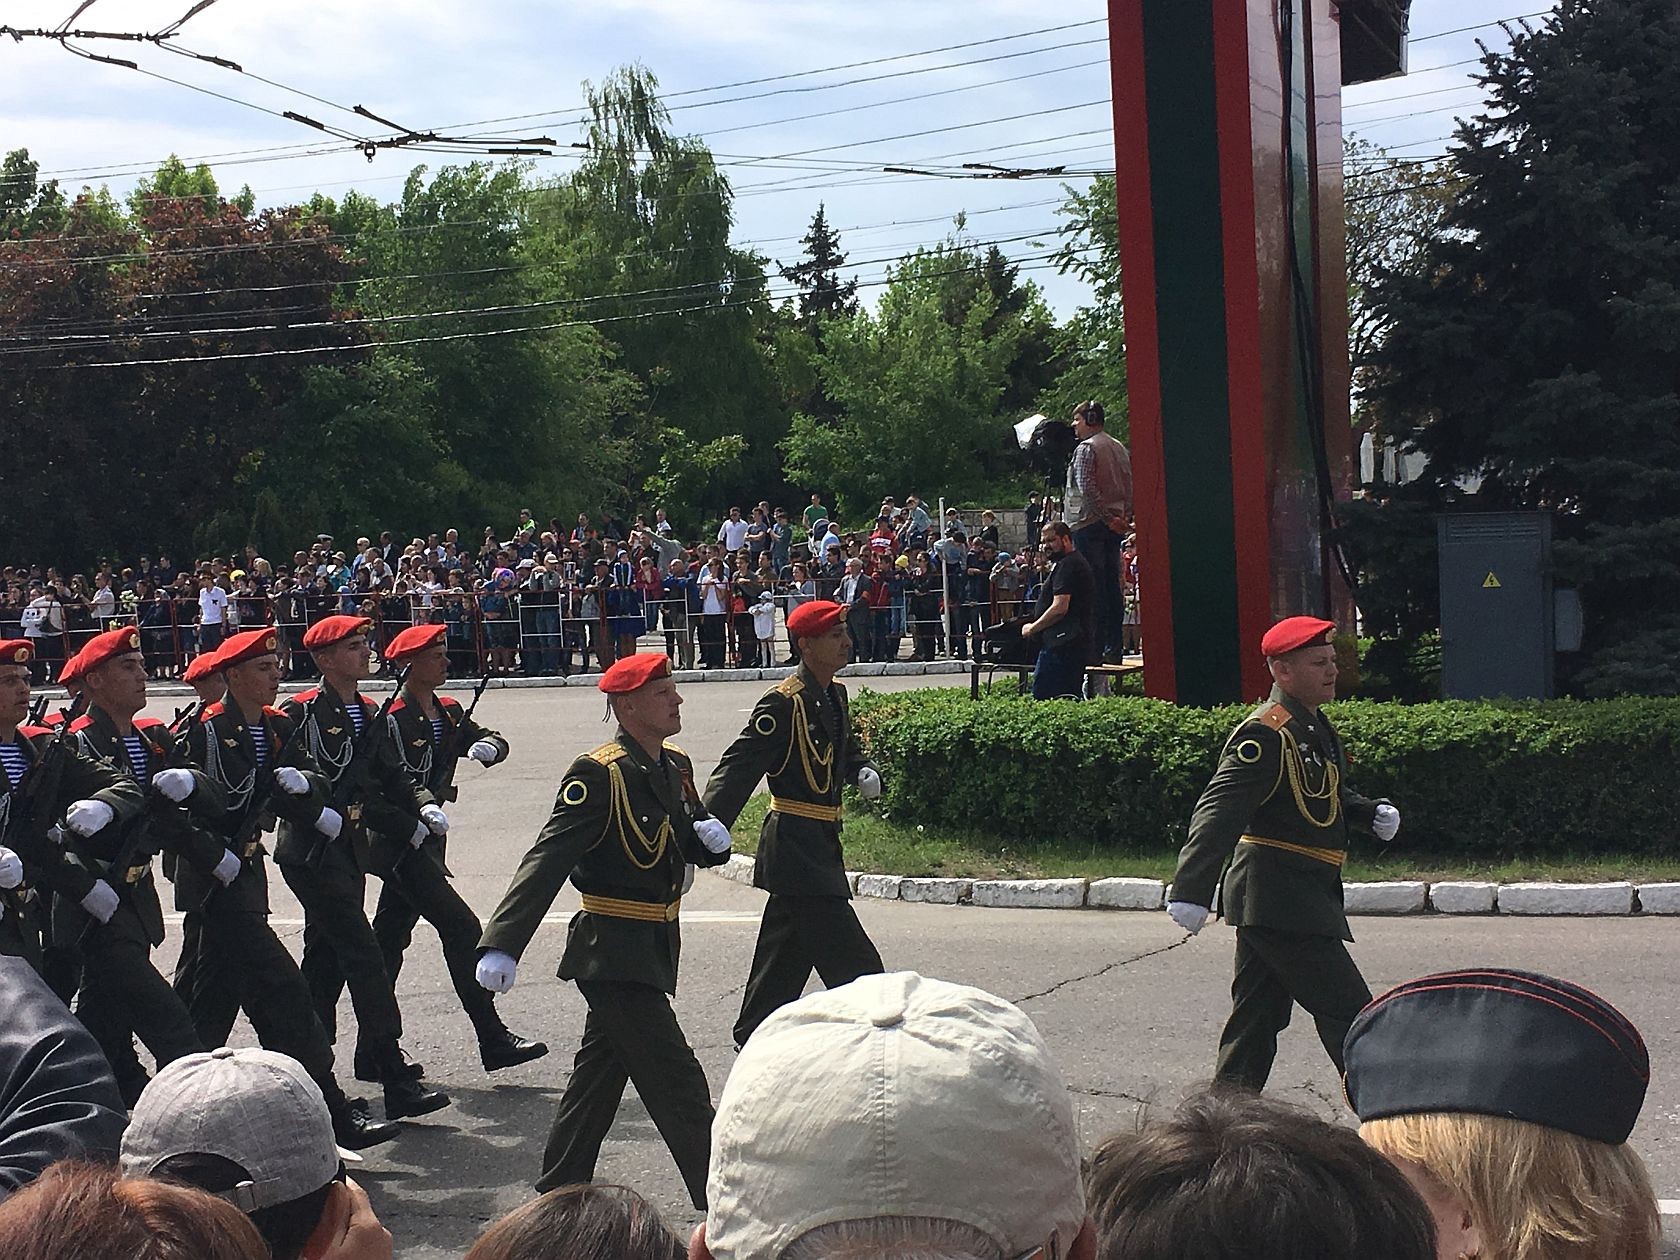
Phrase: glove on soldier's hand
[1188,915]
[329,822]
[869,783]
[1386,823]
[227,870]
[496,971]
[434,819]
[174,783]
[87,817]
[482,751]
[290,780]
[101,901]
[11,869]
[713,834]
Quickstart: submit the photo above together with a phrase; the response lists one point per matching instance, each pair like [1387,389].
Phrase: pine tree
[822,295]
[1538,345]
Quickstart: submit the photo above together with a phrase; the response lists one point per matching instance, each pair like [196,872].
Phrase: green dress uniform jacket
[387,801]
[219,743]
[801,738]
[46,866]
[171,826]
[621,831]
[430,766]
[1274,822]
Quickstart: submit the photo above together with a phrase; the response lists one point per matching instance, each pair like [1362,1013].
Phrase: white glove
[483,752]
[290,780]
[87,817]
[713,834]
[435,820]
[1188,915]
[869,783]
[177,785]
[418,838]
[227,870]
[1386,823]
[329,822]
[11,869]
[496,971]
[101,901]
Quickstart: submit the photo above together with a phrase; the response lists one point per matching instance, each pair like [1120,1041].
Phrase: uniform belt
[1330,857]
[646,911]
[805,809]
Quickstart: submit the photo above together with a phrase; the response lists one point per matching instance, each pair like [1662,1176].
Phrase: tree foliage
[1090,250]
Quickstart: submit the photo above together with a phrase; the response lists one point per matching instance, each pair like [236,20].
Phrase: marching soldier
[204,675]
[800,736]
[93,798]
[75,703]
[328,872]
[430,733]
[122,994]
[1274,824]
[626,826]
[230,956]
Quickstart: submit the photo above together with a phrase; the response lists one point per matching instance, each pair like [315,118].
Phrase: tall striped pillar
[1233,341]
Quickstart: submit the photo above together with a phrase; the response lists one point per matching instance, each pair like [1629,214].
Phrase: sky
[1020,98]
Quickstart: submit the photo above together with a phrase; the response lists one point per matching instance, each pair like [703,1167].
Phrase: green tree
[822,294]
[27,206]
[1537,346]
[1090,250]
[173,179]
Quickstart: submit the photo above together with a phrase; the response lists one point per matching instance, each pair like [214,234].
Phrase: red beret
[630,672]
[16,651]
[202,665]
[330,630]
[1295,632]
[247,645]
[96,651]
[814,617]
[414,640]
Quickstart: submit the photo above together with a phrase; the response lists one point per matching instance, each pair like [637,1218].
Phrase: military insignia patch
[334,730]
[1248,752]
[765,724]
[574,792]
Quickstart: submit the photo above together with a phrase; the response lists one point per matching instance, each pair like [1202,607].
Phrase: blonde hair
[1535,1193]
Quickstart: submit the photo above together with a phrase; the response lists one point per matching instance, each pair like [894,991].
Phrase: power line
[1479,26]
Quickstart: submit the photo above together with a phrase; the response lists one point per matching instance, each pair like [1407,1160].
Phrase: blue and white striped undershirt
[15,761]
[259,742]
[357,717]
[139,760]
[437,731]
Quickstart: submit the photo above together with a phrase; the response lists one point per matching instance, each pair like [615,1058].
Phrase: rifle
[254,807]
[37,711]
[26,833]
[453,755]
[356,773]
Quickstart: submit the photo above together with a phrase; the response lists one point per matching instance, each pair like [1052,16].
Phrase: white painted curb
[935,891]
[1464,897]
[1030,894]
[1386,897]
[1547,898]
[1126,894]
[1659,898]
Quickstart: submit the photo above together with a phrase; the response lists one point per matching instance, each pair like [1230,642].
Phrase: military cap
[16,651]
[100,649]
[414,640]
[247,645]
[203,664]
[814,617]
[331,630]
[72,669]
[1295,632]
[1497,1042]
[630,672]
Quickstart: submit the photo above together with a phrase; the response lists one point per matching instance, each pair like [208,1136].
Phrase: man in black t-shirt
[1064,619]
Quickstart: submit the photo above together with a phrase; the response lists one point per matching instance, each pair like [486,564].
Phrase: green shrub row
[1501,778]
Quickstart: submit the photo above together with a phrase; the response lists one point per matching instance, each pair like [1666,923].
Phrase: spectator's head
[781,514]
[1058,538]
[1231,1173]
[1507,1099]
[591,1222]
[816,498]
[1087,418]
[1301,659]
[76,1209]
[679,567]
[251,1128]
[895,1115]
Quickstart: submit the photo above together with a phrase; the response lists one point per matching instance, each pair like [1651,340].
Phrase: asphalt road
[1128,1034]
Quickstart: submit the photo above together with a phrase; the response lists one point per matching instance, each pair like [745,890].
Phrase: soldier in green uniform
[327,870]
[1274,824]
[230,956]
[122,994]
[431,734]
[93,797]
[627,825]
[800,736]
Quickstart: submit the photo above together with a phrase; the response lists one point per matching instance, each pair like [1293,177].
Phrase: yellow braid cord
[804,809]
[811,759]
[644,911]
[1329,790]
[1331,857]
[624,815]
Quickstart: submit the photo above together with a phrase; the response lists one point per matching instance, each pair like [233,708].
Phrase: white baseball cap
[894,1095]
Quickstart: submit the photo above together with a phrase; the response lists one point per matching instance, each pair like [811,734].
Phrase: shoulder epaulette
[146,723]
[367,701]
[52,721]
[792,685]
[1276,716]
[398,704]
[214,710]
[83,722]
[606,754]
[36,732]
[271,711]
[670,747]
[447,702]
[304,697]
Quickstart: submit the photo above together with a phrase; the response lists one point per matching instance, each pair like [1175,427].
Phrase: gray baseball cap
[257,1108]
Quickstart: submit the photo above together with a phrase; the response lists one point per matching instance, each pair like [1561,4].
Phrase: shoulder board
[304,697]
[36,732]
[398,705]
[448,702]
[1276,716]
[52,721]
[670,747]
[270,711]
[606,754]
[792,685]
[83,722]
[146,723]
[367,701]
[212,711]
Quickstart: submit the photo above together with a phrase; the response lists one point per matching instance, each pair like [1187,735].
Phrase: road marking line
[1669,1207]
[693,916]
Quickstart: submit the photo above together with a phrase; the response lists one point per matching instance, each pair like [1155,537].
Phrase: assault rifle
[454,753]
[354,778]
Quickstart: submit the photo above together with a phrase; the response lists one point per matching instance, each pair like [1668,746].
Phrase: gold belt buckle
[354,812]
[134,874]
[251,850]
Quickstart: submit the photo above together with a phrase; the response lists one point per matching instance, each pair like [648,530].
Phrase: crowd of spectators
[556,599]
[902,1116]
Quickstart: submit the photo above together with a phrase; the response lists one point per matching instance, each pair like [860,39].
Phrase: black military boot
[366,1064]
[353,1128]
[404,1094]
[499,1048]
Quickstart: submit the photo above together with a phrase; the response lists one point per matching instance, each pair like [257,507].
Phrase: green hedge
[1509,779]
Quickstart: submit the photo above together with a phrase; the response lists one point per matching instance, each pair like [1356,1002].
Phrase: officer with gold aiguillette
[626,827]
[800,736]
[1271,829]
